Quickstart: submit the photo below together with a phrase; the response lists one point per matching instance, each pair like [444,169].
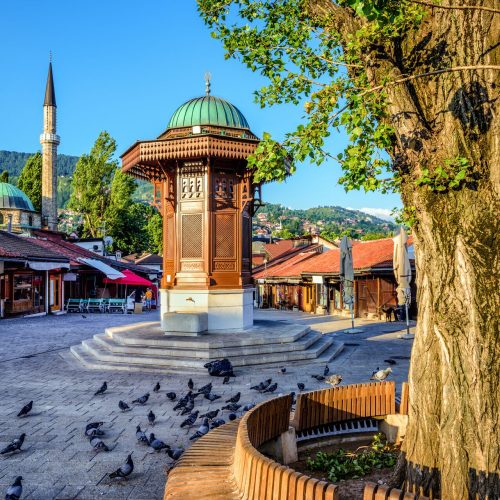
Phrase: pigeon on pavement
[226,380]
[389,361]
[15,491]
[141,436]
[188,408]
[235,398]
[217,423]
[319,378]
[326,371]
[94,425]
[25,409]
[212,397]
[248,406]
[190,420]
[210,414]
[15,445]
[334,379]
[124,470]
[123,406]
[151,417]
[156,388]
[381,374]
[171,396]
[271,388]
[142,400]
[90,433]
[263,385]
[301,386]
[157,444]
[206,389]
[232,416]
[283,370]
[175,453]
[98,444]
[231,407]
[202,430]
[102,389]
[190,384]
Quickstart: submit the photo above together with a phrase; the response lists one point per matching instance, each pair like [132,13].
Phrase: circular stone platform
[145,347]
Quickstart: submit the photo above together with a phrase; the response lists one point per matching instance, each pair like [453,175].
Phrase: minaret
[49,141]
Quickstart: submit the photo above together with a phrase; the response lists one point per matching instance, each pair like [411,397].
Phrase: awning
[47,266]
[110,273]
[130,278]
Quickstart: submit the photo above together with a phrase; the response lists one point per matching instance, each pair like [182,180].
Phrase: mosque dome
[208,110]
[12,197]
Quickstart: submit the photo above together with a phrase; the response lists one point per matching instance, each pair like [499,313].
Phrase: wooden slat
[382,492]
[369,491]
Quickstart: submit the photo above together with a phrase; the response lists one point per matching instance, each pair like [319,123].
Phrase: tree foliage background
[30,180]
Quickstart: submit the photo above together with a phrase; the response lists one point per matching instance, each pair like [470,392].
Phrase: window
[30,221]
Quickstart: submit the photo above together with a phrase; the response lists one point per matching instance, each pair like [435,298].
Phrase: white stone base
[226,309]
[184,323]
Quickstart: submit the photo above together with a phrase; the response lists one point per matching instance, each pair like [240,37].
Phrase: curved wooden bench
[381,492]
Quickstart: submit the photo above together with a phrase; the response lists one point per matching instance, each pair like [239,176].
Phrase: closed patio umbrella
[402,273]
[347,278]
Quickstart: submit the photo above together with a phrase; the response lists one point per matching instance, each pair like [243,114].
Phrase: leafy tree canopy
[30,180]
[4,176]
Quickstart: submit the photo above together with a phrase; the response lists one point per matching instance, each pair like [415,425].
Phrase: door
[55,293]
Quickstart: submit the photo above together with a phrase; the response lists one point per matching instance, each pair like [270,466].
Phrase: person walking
[149,297]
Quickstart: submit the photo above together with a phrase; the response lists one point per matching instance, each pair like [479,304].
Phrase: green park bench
[117,305]
[94,305]
[74,305]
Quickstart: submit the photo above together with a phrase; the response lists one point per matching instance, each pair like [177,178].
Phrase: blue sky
[125,66]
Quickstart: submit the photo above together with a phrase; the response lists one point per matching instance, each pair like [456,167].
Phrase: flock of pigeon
[185,406]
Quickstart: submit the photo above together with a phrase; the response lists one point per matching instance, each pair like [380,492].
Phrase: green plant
[342,464]
[451,175]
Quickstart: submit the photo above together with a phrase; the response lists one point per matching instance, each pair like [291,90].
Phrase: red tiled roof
[23,247]
[278,248]
[288,267]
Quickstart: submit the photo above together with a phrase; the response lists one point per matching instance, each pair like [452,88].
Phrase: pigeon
[188,408]
[294,400]
[156,388]
[176,453]
[231,407]
[83,316]
[381,374]
[390,361]
[124,470]
[301,386]
[90,433]
[235,398]
[271,388]
[183,401]
[15,491]
[247,407]
[226,380]
[151,417]
[93,425]
[212,397]
[171,396]
[202,430]
[142,400]
[232,416]
[102,389]
[98,444]
[190,384]
[263,385]
[157,444]
[123,406]
[283,370]
[15,445]
[25,409]
[217,423]
[319,378]
[206,389]
[326,371]
[210,414]
[141,436]
[191,419]
[334,379]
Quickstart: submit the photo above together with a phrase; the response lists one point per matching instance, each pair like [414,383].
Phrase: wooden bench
[374,491]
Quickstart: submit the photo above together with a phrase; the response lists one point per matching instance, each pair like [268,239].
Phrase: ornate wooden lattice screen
[224,236]
[192,236]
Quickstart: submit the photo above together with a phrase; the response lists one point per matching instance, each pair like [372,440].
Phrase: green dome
[208,110]
[12,197]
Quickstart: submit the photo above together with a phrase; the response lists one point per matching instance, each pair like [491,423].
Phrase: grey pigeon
[157,444]
[175,453]
[142,400]
[151,417]
[231,407]
[190,384]
[301,386]
[98,444]
[319,378]
[141,436]
[206,389]
[210,414]
[156,388]
[124,470]
[25,410]
[271,388]
[232,416]
[15,445]
[326,371]
[217,423]
[94,433]
[123,406]
[283,370]
[202,430]
[94,425]
[188,408]
[235,398]
[390,361]
[183,401]
[248,406]
[15,491]
[102,389]
[171,396]
[212,397]
[262,385]
[190,420]
[226,380]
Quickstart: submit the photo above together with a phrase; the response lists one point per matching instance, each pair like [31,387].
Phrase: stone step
[114,345]
[138,357]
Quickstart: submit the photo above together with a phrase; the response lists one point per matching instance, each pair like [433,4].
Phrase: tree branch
[456,7]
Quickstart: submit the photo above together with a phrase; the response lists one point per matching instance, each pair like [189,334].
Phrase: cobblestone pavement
[57,461]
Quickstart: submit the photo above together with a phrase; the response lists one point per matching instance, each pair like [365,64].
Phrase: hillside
[13,162]
[330,221]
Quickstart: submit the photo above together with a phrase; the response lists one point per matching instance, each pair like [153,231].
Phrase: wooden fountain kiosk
[205,193]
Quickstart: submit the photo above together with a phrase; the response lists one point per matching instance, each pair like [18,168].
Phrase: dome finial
[208,77]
